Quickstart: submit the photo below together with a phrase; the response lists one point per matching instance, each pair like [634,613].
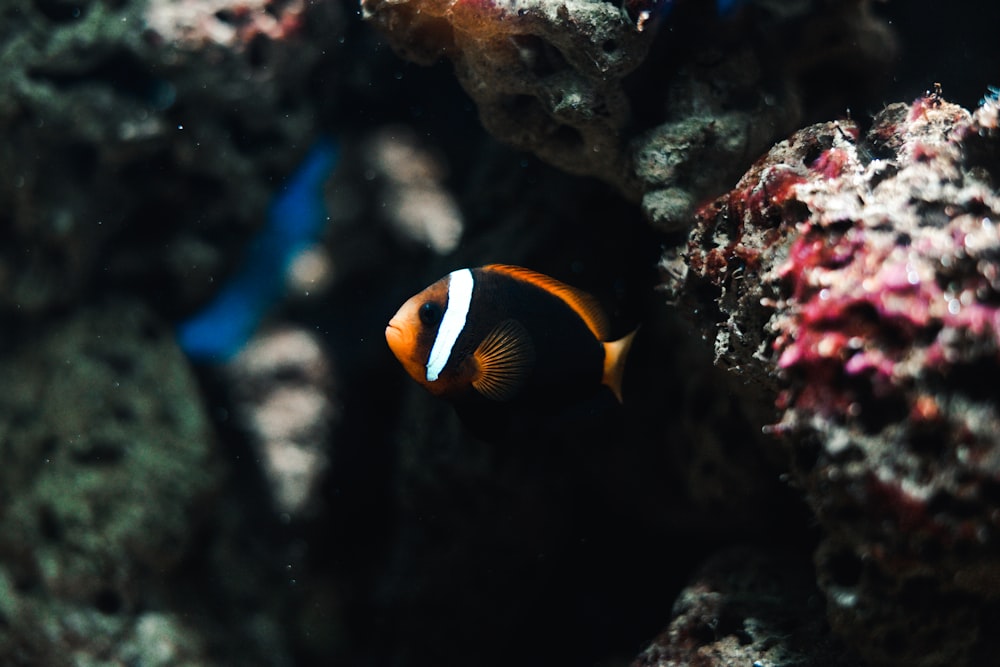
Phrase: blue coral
[295,219]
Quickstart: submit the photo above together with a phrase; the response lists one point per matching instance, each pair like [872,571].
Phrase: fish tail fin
[615,354]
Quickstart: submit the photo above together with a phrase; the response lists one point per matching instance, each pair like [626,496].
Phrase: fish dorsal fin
[503,361]
[615,354]
[586,306]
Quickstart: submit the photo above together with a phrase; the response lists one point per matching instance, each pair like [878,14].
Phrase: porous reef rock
[142,140]
[856,278]
[545,75]
[748,606]
[107,458]
[574,81]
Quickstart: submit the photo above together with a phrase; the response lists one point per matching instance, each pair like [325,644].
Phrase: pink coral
[872,313]
[198,23]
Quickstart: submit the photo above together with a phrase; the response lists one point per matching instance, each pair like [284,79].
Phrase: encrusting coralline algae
[856,278]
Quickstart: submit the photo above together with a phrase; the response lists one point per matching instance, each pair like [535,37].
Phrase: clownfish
[502,336]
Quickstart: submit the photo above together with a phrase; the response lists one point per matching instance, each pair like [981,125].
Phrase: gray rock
[108,460]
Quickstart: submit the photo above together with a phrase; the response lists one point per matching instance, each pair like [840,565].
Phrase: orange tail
[615,354]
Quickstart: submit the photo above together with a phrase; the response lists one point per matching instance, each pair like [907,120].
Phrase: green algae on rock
[142,141]
[108,458]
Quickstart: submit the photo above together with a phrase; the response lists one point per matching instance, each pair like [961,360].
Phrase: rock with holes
[545,75]
[856,278]
[142,140]
[748,606]
[108,462]
[668,106]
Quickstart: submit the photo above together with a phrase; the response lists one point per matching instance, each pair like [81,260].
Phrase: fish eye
[430,313]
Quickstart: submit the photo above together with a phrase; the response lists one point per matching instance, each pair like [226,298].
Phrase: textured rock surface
[859,276]
[108,462]
[546,76]
[550,77]
[142,141]
[748,606]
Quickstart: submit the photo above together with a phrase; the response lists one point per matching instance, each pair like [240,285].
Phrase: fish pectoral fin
[503,361]
[615,354]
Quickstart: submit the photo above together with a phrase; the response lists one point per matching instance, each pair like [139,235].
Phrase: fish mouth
[398,341]
[393,333]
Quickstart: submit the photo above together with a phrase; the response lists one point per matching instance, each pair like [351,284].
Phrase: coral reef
[142,141]
[546,76]
[748,606]
[857,277]
[550,77]
[303,504]
[108,456]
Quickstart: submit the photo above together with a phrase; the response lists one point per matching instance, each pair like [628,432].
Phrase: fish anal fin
[615,355]
[587,307]
[504,361]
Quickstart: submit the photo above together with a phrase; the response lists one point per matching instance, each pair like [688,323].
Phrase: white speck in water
[845,598]
[180,127]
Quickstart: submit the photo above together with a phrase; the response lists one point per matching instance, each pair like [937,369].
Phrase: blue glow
[295,219]
[726,7]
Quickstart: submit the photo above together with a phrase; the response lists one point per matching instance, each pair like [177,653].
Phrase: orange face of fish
[412,330]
